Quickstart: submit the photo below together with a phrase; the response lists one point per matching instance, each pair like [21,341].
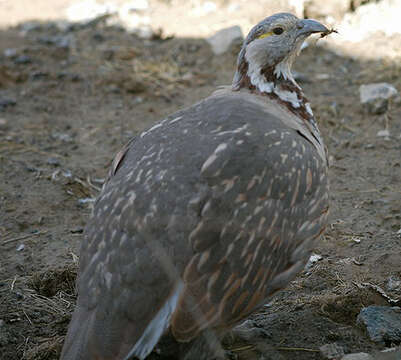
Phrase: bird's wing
[268,203]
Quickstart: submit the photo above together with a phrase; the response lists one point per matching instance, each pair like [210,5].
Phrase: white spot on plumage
[175,120]
[283,158]
[131,197]
[288,96]
[308,109]
[212,158]
[108,277]
[209,161]
[156,327]
[138,177]
[235,131]
[152,128]
[270,132]
[220,148]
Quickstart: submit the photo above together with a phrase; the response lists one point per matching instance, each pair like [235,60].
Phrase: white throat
[282,70]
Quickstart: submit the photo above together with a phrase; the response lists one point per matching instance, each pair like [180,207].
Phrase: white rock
[375,97]
[357,356]
[222,40]
[372,92]
[20,247]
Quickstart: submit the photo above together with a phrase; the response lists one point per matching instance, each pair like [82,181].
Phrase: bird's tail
[76,342]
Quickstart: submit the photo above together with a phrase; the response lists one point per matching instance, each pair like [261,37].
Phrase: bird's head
[270,49]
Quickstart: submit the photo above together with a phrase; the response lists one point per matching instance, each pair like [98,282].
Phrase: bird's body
[203,218]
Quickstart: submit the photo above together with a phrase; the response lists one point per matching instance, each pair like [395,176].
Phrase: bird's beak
[307,27]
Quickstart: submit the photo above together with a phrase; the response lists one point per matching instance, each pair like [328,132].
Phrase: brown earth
[74,109]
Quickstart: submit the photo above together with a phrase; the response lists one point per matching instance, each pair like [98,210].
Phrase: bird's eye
[278,30]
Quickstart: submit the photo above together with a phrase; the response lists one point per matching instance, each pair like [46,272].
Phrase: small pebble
[53,161]
[20,247]
[23,59]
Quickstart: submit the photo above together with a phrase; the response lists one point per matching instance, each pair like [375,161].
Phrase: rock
[375,96]
[223,39]
[382,323]
[357,356]
[332,351]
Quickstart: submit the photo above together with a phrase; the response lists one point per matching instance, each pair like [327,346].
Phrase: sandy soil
[64,112]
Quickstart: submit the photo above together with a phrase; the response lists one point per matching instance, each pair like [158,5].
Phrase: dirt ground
[66,110]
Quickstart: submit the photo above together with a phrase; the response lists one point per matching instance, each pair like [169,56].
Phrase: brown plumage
[207,214]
